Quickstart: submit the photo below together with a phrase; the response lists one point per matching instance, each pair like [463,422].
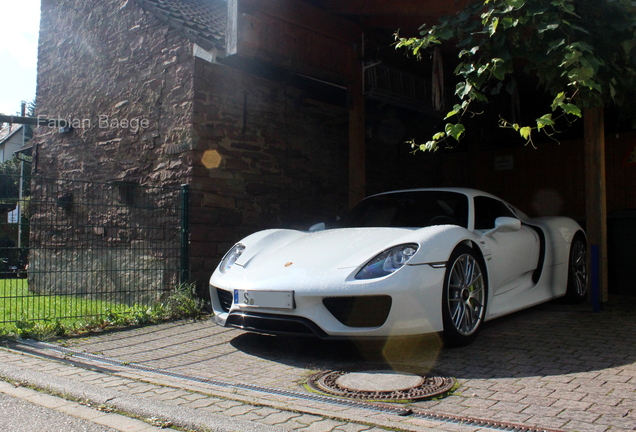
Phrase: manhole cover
[380,384]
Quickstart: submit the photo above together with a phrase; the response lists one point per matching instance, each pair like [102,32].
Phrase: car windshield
[412,209]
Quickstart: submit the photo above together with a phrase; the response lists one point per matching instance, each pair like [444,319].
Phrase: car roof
[465,191]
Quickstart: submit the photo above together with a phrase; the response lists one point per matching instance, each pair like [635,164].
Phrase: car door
[513,254]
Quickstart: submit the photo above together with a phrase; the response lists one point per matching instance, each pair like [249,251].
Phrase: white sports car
[401,263]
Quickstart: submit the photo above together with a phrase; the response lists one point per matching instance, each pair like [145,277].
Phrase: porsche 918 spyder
[401,263]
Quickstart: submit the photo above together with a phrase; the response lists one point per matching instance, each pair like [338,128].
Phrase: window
[487,210]
[410,209]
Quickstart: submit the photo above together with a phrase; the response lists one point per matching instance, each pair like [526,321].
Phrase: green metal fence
[76,249]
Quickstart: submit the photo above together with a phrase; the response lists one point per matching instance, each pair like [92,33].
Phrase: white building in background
[11,140]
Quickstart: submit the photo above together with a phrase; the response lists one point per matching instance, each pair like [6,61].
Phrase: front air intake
[225,298]
[359,311]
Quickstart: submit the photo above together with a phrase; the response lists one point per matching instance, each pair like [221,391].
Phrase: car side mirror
[505,223]
[318,227]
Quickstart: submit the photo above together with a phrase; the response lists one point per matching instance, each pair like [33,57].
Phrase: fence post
[185,234]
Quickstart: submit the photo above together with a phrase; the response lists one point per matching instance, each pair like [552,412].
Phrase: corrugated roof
[200,21]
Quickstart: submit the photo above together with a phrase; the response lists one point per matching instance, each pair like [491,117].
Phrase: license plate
[264,299]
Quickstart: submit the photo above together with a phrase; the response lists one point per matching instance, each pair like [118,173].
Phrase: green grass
[17,303]
[28,315]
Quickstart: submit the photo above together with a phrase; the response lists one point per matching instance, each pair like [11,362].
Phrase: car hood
[325,250]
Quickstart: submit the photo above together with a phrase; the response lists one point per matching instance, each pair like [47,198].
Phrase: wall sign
[504,163]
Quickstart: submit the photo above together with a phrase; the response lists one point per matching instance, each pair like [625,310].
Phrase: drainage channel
[378,407]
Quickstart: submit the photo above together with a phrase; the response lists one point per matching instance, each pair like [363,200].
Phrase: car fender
[437,246]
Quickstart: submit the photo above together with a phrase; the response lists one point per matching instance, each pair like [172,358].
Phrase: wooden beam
[435,8]
[405,23]
[231,29]
[357,143]
[304,15]
[596,191]
[34,121]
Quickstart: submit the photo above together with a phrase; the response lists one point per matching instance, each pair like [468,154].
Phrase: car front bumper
[337,306]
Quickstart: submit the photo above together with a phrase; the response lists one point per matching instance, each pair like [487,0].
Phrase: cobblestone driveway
[554,366]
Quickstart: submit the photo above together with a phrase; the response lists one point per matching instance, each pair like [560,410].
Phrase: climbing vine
[582,52]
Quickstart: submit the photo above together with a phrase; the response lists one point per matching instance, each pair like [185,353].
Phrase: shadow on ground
[551,339]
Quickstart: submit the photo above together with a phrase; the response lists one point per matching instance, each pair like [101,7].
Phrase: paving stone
[569,404]
[546,422]
[325,425]
[241,410]
[47,400]
[353,427]
[585,427]
[279,417]
[509,417]
[582,416]
[621,422]
[609,410]
[539,410]
[506,397]
[203,402]
[478,403]
[509,407]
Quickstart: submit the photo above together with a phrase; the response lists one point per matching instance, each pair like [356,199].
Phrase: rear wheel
[464,296]
[577,270]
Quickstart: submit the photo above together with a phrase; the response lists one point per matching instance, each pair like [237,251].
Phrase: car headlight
[387,262]
[230,258]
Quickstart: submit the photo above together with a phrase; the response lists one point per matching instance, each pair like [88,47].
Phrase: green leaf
[557,43]
[629,45]
[571,109]
[463,89]
[454,130]
[525,132]
[456,109]
[516,4]
[499,72]
[558,101]
[444,33]
[492,27]
[429,146]
[544,27]
[545,120]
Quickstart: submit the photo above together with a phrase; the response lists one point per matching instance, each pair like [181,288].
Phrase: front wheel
[464,296]
[577,270]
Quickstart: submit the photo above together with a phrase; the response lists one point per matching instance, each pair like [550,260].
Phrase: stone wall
[124,81]
[263,158]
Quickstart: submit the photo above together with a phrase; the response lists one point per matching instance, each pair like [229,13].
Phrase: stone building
[152,97]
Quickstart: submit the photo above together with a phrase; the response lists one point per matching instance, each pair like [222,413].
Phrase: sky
[19,26]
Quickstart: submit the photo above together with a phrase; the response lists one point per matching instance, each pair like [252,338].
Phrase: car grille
[273,324]
[225,298]
[363,311]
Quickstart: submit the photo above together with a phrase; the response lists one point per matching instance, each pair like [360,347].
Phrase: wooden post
[595,191]
[231,31]
[357,144]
